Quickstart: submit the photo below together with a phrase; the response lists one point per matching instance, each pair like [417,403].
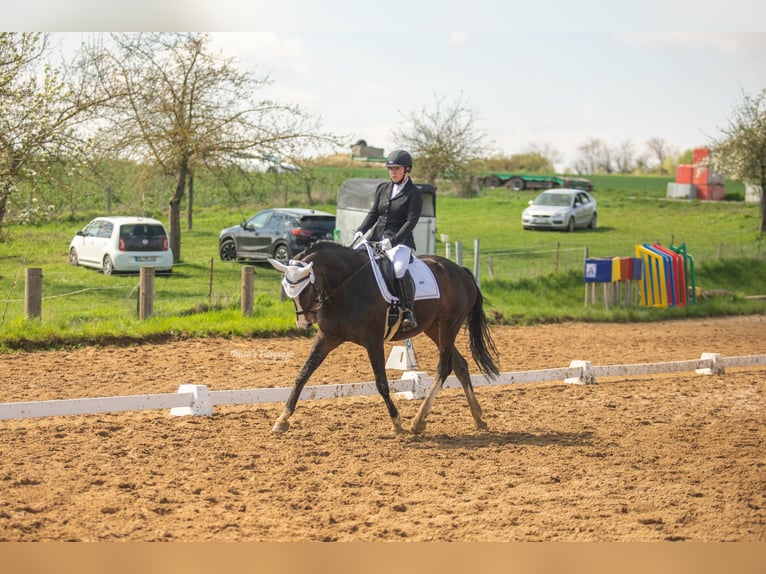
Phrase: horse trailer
[355,199]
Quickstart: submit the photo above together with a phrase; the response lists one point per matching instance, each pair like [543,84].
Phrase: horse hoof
[280,427]
[481,425]
[418,428]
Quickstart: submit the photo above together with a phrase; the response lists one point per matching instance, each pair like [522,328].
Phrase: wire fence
[72,292]
[535,262]
[199,284]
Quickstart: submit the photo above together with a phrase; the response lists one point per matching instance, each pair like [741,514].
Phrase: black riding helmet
[399,157]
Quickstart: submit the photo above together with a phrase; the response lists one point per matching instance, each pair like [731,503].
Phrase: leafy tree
[174,104]
[530,162]
[741,150]
[445,142]
[38,113]
[546,151]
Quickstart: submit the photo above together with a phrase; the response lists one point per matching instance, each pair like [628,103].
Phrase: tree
[174,104]
[545,150]
[624,156]
[659,149]
[445,142]
[594,157]
[38,113]
[741,150]
[530,162]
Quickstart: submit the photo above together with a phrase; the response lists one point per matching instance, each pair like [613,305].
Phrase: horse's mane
[324,245]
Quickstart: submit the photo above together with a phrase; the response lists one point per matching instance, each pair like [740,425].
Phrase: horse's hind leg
[419,424]
[460,366]
[442,372]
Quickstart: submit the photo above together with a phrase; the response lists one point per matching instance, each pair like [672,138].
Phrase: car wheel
[73,259]
[228,250]
[108,266]
[592,224]
[516,184]
[571,224]
[282,253]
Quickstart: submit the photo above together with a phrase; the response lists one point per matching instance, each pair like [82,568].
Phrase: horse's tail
[483,347]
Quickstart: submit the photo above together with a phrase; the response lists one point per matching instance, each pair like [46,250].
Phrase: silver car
[561,209]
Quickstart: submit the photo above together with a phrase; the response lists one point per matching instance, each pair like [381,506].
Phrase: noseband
[316,303]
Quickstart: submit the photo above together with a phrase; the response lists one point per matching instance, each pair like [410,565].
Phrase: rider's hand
[357,236]
[385,245]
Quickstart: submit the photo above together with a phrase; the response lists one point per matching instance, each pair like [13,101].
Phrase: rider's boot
[407,296]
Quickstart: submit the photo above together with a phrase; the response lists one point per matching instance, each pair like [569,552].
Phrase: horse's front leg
[320,349]
[377,357]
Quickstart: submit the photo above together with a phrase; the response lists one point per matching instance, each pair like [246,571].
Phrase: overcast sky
[553,74]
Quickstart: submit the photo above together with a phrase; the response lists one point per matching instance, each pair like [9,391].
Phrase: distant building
[362,152]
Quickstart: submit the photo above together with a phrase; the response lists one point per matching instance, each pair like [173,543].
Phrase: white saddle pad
[426,286]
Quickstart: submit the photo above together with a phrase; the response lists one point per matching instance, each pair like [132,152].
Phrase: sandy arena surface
[644,458]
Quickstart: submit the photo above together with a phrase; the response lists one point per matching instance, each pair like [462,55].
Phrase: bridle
[316,302]
[319,297]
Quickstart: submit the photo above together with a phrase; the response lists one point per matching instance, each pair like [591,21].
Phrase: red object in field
[700,155]
[700,175]
[626,268]
[710,191]
[684,174]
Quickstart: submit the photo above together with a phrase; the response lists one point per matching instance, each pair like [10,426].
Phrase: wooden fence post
[146,293]
[248,283]
[33,293]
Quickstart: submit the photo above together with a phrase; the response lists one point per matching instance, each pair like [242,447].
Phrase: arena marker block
[201,404]
[421,382]
[716,366]
[586,376]
[402,358]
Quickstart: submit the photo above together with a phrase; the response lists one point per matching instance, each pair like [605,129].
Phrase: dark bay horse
[334,286]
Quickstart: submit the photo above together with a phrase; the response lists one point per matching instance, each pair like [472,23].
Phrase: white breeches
[400,257]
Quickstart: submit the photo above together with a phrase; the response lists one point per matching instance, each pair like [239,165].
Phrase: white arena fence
[198,400]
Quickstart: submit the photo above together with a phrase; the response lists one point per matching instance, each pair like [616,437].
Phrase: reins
[320,299]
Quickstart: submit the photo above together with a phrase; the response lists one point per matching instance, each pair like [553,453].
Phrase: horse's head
[298,282]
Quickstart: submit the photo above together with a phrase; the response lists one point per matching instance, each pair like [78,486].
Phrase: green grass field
[535,275]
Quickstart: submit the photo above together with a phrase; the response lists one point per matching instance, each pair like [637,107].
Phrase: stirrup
[408,321]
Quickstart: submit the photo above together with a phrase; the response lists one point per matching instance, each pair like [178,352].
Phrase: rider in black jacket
[392,218]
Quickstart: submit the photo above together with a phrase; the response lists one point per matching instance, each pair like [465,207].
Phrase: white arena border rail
[198,400]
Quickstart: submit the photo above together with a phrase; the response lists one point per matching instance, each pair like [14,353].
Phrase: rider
[393,217]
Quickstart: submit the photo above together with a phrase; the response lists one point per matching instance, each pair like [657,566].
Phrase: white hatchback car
[123,243]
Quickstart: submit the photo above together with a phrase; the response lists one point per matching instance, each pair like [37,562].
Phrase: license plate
[145,259]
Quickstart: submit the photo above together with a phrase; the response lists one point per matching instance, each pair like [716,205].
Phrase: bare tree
[175,104]
[741,150]
[445,141]
[659,149]
[594,156]
[624,156]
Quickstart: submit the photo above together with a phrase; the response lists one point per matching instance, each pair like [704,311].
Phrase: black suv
[278,233]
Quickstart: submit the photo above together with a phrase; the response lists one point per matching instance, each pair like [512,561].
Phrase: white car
[561,209]
[114,244]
